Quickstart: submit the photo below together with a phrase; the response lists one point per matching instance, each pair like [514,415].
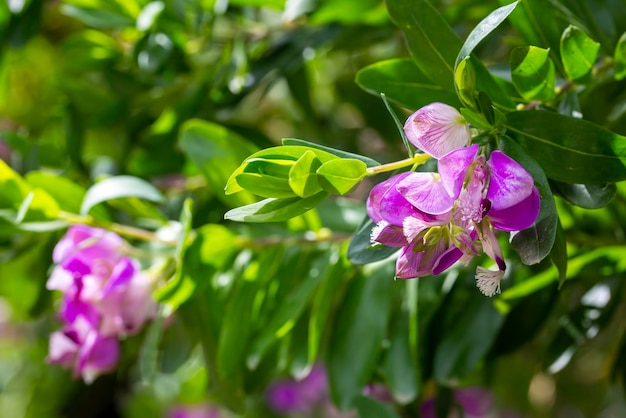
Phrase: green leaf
[302,176]
[588,196]
[483,29]
[533,73]
[569,149]
[578,52]
[403,82]
[149,353]
[217,152]
[275,210]
[432,42]
[358,333]
[534,243]
[235,330]
[341,175]
[287,313]
[465,81]
[400,369]
[369,407]
[119,187]
[265,186]
[98,18]
[324,302]
[360,250]
[558,255]
[468,340]
[619,58]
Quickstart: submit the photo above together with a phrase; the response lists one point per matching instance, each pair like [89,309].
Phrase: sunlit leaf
[275,210]
[533,73]
[341,175]
[578,52]
[119,187]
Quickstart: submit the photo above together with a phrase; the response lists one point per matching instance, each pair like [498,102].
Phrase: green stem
[124,230]
[417,159]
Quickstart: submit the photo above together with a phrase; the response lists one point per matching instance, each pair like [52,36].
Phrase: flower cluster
[105,296]
[439,218]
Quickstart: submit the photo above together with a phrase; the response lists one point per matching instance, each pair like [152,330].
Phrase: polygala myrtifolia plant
[499,156]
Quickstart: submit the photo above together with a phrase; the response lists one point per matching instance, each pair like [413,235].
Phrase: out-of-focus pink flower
[104,296]
[475,402]
[202,410]
[83,349]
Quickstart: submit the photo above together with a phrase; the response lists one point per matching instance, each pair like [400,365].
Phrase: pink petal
[453,168]
[509,182]
[437,129]
[426,192]
[519,216]
[389,235]
[384,202]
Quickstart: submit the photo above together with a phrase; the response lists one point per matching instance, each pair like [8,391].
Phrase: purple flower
[104,296]
[83,349]
[297,396]
[475,402]
[437,129]
[202,410]
[440,218]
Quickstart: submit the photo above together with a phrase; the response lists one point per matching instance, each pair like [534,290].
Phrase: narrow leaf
[275,210]
[619,58]
[369,407]
[338,153]
[558,255]
[483,29]
[119,187]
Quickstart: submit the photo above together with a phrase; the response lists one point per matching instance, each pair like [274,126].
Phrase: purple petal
[62,349]
[409,264]
[389,235]
[476,401]
[509,182]
[384,202]
[426,192]
[453,167]
[122,273]
[446,260]
[437,129]
[519,216]
[97,355]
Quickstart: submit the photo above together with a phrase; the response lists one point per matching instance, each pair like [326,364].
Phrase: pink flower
[83,349]
[437,129]
[440,218]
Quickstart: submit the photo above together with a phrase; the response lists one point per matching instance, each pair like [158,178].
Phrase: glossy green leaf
[588,196]
[465,81]
[361,249]
[483,29]
[265,186]
[358,332]
[534,243]
[368,407]
[341,175]
[338,153]
[533,73]
[568,149]
[468,340]
[303,177]
[404,83]
[619,58]
[217,152]
[432,42]
[119,187]
[578,52]
[275,210]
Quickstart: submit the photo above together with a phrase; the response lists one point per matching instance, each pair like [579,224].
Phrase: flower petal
[389,235]
[384,202]
[437,129]
[453,167]
[519,216]
[509,182]
[426,192]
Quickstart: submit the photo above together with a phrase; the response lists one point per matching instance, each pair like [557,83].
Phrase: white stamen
[487,281]
[376,231]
